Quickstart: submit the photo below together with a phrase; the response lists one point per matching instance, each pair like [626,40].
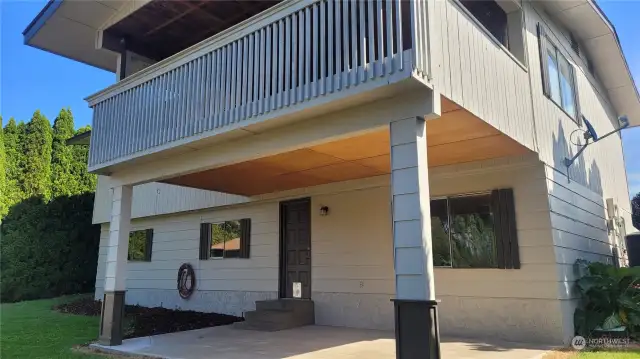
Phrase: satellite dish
[591,132]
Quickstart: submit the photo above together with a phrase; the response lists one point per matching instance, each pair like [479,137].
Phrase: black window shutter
[245,237]
[205,238]
[148,249]
[497,227]
[504,214]
[544,68]
[576,98]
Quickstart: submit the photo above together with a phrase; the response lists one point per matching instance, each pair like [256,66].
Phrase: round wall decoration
[186,280]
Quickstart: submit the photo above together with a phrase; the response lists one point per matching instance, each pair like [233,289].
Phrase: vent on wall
[592,70]
[574,44]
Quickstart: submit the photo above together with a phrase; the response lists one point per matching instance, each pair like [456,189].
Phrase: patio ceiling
[161,28]
[456,137]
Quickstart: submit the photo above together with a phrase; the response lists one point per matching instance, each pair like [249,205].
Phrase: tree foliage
[62,179]
[635,209]
[37,149]
[610,299]
[85,181]
[49,248]
[14,162]
[48,244]
[3,173]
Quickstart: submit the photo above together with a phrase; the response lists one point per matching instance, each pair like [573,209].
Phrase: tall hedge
[3,173]
[48,245]
[14,158]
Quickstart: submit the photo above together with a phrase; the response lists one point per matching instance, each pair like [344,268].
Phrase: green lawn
[564,354]
[31,330]
[610,355]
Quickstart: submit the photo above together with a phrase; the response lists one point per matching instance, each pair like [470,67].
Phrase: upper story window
[140,243]
[491,16]
[503,20]
[475,231]
[558,76]
[229,239]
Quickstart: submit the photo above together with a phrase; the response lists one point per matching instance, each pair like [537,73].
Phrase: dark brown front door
[295,247]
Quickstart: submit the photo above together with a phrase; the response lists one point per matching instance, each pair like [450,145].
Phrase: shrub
[48,248]
[610,299]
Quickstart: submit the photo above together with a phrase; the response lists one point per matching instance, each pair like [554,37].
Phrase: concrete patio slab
[312,342]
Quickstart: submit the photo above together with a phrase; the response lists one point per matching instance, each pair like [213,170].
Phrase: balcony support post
[113,301]
[416,318]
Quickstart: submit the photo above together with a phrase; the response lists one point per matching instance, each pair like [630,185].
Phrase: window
[229,239]
[503,20]
[491,16]
[140,243]
[475,231]
[558,76]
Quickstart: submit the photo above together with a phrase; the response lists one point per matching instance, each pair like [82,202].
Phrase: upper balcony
[294,57]
[210,71]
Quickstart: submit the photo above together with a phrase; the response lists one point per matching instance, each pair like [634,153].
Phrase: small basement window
[475,231]
[140,245]
[229,239]
[503,20]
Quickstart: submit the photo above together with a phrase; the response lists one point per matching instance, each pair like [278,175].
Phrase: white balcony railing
[294,52]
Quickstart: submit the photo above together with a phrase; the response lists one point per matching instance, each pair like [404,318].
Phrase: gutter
[43,16]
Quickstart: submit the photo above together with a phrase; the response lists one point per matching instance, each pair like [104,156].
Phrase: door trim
[282,260]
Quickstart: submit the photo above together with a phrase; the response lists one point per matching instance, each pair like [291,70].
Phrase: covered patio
[311,342]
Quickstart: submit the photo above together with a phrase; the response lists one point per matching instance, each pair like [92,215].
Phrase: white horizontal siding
[352,267]
[176,241]
[350,247]
[477,73]
[154,198]
[600,169]
[579,230]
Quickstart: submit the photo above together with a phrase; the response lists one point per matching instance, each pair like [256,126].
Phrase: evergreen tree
[49,245]
[63,180]
[14,162]
[86,181]
[37,149]
[3,175]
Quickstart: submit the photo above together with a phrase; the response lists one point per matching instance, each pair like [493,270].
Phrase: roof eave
[36,24]
[80,139]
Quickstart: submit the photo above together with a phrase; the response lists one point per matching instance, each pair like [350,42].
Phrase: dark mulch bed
[142,321]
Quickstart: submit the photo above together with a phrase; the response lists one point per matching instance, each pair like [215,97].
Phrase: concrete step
[272,315]
[296,305]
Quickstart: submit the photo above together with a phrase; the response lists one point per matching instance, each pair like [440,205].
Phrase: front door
[295,249]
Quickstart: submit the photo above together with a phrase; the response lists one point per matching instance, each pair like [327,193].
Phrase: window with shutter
[475,231]
[140,245]
[228,239]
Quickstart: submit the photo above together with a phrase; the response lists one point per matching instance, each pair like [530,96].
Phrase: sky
[32,79]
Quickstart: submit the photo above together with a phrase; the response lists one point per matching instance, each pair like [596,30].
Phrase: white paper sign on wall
[297,290]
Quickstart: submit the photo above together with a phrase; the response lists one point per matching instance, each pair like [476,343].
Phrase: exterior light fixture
[324,210]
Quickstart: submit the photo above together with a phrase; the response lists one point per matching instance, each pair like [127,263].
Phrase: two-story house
[340,154]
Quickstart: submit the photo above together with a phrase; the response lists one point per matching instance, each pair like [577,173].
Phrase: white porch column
[415,306]
[116,266]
